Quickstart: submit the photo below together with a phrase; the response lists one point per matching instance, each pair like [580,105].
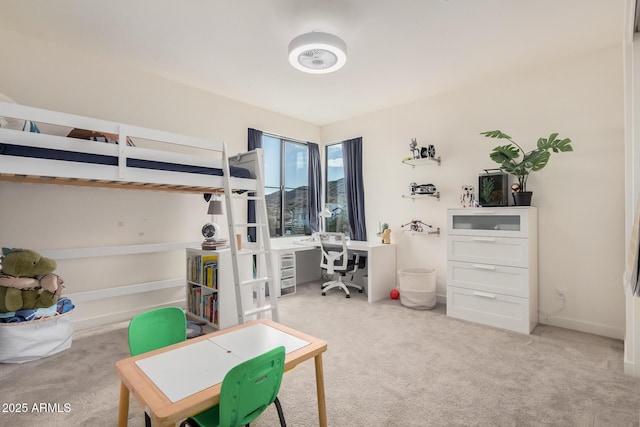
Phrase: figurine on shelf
[386,236]
[416,225]
[466,198]
[385,233]
[413,147]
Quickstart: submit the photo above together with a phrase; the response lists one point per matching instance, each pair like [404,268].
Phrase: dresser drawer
[287,261]
[490,250]
[489,278]
[288,273]
[502,221]
[287,283]
[502,311]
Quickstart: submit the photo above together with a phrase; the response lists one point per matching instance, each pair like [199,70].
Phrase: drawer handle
[483,267]
[484,295]
[484,239]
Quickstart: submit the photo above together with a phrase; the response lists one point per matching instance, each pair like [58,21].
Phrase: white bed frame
[45,171]
[25,169]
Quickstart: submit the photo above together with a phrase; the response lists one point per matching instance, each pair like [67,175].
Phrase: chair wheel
[347,296]
[324,294]
[360,291]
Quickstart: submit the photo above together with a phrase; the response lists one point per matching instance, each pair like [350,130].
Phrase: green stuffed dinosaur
[25,263]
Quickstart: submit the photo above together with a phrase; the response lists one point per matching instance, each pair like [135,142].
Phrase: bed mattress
[70,156]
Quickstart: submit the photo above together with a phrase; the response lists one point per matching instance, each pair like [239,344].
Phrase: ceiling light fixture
[317,53]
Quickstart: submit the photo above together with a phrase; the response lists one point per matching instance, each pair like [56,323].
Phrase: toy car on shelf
[422,189]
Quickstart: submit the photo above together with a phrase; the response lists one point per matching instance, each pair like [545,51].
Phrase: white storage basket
[26,341]
[417,287]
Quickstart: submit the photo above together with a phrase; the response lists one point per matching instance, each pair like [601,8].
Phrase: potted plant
[515,161]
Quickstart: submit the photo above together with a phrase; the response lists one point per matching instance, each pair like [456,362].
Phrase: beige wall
[45,217]
[580,195]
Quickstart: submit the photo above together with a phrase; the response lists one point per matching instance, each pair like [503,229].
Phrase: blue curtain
[315,186]
[254,141]
[354,187]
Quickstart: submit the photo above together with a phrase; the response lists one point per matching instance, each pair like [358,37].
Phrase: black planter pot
[522,198]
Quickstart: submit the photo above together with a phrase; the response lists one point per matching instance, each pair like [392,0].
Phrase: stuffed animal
[26,263]
[27,281]
[13,299]
[49,282]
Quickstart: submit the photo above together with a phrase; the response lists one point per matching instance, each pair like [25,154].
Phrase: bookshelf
[210,293]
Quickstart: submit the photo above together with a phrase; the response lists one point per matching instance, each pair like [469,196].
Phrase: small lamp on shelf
[211,230]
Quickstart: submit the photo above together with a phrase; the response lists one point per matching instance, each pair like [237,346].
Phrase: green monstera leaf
[515,161]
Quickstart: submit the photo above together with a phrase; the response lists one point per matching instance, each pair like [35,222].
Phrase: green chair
[247,390]
[155,329]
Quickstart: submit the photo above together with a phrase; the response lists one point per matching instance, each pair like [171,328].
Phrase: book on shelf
[210,264]
[210,244]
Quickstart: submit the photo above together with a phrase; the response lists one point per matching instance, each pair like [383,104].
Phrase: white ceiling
[398,50]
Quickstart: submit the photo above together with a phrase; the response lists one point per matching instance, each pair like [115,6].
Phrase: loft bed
[37,146]
[142,159]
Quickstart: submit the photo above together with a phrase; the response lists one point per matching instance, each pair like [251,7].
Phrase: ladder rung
[243,197]
[253,224]
[252,252]
[262,309]
[254,281]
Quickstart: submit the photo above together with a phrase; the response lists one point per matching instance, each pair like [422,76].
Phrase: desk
[237,342]
[381,265]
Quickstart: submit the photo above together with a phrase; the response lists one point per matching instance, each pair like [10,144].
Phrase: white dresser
[492,266]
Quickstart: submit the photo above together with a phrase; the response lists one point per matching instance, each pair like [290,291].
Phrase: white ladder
[260,250]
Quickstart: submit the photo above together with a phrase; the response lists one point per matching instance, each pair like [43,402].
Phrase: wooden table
[164,411]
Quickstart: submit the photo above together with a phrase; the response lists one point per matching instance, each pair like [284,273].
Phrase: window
[335,197]
[286,173]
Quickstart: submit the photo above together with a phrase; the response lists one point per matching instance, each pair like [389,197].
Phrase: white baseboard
[573,324]
[630,369]
[582,326]
[112,318]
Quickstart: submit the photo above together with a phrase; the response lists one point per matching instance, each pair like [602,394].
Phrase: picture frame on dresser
[493,188]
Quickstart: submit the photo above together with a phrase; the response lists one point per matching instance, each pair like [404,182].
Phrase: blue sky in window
[335,169]
[296,160]
[271,163]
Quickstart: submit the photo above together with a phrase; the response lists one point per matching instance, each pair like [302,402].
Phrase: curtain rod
[275,135]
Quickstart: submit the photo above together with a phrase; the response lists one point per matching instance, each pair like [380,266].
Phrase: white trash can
[417,287]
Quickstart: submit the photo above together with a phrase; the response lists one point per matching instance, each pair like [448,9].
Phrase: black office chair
[337,262]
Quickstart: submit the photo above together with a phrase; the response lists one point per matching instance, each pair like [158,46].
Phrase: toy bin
[417,288]
[26,341]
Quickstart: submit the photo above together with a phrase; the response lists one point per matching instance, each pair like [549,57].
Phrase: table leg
[123,408]
[322,407]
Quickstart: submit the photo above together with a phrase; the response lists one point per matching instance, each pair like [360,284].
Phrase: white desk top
[306,243]
[192,368]
[351,244]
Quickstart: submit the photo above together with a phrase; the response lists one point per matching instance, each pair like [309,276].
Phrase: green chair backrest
[156,329]
[250,387]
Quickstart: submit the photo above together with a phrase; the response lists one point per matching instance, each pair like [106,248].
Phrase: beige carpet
[386,365]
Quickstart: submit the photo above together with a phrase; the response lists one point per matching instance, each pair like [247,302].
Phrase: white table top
[189,369]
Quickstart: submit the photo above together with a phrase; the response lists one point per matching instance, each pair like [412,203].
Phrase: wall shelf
[435,195]
[436,231]
[422,161]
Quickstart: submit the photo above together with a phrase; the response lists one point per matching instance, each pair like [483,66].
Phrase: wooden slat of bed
[107,184]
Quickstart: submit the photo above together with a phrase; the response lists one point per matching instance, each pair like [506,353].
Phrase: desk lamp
[324,214]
